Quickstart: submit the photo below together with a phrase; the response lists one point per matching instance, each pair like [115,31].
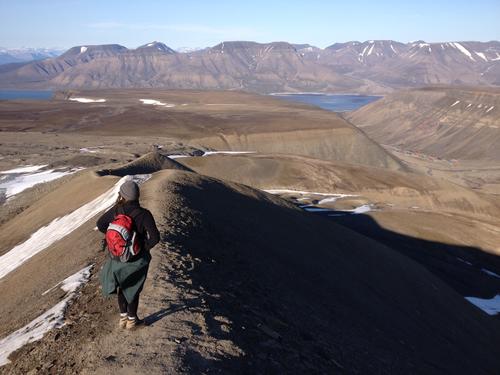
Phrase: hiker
[126,278]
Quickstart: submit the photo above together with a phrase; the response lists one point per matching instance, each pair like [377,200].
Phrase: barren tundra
[291,242]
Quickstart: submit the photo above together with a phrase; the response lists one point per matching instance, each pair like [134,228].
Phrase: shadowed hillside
[245,281]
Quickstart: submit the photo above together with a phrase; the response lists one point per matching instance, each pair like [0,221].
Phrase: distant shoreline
[322,93]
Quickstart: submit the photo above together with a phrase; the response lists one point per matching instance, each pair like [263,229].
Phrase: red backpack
[122,239]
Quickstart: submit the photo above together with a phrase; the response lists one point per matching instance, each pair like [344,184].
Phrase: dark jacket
[145,226]
[129,276]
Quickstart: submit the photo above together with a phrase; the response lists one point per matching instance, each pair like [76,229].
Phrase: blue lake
[26,94]
[331,102]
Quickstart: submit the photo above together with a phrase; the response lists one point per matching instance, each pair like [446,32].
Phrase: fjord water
[331,102]
[26,94]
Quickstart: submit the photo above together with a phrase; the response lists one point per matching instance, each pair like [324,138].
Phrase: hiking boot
[132,323]
[122,323]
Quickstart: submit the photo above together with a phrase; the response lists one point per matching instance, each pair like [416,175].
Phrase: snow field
[40,240]
[26,169]
[21,179]
[208,153]
[87,100]
[52,318]
[331,197]
[462,49]
[156,102]
[489,306]
[60,227]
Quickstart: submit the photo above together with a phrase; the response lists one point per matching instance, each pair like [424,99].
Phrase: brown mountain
[371,66]
[415,64]
[230,65]
[451,123]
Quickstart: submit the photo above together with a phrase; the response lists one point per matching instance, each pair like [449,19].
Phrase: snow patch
[301,192]
[83,49]
[156,102]
[481,55]
[334,198]
[362,209]
[464,261]
[19,182]
[490,109]
[362,54]
[371,50]
[315,209]
[489,306]
[413,54]
[60,227]
[356,211]
[393,49]
[207,153]
[87,100]
[463,50]
[178,156]
[454,104]
[491,273]
[88,150]
[26,169]
[52,318]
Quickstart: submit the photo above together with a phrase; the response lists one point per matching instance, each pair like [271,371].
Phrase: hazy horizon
[196,24]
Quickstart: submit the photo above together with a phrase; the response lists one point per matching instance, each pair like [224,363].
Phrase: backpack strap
[134,212]
[121,210]
[118,209]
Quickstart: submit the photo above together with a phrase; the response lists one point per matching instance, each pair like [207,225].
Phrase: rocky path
[175,339]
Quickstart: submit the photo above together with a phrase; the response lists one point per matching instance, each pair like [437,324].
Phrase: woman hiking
[127,278]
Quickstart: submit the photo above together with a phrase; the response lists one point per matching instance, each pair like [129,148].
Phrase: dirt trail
[92,343]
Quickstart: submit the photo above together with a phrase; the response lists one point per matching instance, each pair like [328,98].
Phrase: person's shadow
[162,313]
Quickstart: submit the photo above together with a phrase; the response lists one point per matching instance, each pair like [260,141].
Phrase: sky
[194,23]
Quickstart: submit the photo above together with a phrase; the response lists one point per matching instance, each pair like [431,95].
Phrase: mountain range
[19,55]
[375,66]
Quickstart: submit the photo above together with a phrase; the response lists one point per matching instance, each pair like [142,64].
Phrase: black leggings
[125,307]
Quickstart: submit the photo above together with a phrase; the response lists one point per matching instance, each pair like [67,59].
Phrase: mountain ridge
[375,66]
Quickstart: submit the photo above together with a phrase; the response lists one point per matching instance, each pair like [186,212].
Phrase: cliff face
[443,122]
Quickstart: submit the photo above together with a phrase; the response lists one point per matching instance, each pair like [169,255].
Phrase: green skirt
[129,276]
